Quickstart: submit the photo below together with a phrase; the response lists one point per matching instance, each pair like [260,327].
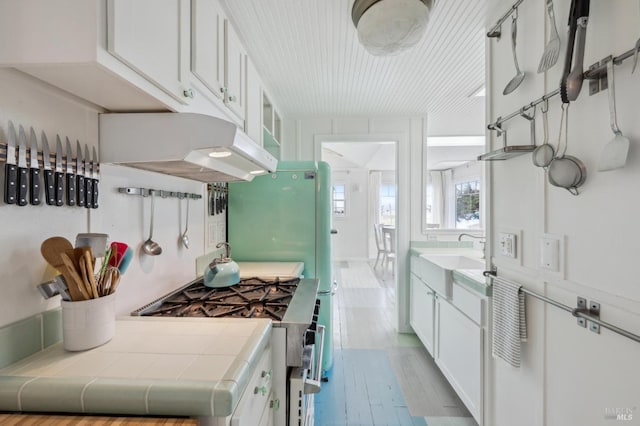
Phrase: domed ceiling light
[388,27]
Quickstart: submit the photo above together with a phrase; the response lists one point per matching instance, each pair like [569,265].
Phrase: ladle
[517,79]
[614,154]
[544,153]
[183,237]
[151,247]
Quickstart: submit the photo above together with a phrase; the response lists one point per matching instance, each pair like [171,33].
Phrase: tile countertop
[153,366]
[470,278]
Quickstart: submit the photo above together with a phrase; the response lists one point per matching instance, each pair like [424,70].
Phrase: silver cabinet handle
[188,93]
[232,98]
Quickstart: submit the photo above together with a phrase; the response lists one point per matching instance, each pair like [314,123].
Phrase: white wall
[569,376]
[28,102]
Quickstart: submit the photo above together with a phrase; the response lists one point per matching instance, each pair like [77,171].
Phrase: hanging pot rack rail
[145,192]
[496,30]
[596,71]
[583,312]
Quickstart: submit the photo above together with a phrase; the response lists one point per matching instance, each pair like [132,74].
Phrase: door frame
[403,209]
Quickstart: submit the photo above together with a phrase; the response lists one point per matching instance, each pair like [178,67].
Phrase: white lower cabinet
[253,408]
[421,315]
[459,354]
[452,328]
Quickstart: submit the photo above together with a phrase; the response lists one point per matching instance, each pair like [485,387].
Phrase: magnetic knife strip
[80,188]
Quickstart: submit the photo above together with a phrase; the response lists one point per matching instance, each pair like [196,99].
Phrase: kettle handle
[227,248]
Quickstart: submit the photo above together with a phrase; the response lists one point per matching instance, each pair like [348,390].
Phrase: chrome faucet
[481,238]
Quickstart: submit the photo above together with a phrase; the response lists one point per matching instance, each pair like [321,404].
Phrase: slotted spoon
[552,49]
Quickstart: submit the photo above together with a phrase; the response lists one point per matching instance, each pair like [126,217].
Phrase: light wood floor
[364,333]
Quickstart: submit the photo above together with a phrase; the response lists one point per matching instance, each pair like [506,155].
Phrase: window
[338,200]
[387,204]
[468,204]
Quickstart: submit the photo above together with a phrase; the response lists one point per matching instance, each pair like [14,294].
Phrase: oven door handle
[313,385]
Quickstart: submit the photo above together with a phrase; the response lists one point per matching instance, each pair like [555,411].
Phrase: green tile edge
[23,338]
[442,244]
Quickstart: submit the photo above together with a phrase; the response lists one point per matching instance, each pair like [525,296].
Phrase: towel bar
[576,312]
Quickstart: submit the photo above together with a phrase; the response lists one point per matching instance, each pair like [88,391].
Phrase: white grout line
[20,392]
[82,393]
[146,399]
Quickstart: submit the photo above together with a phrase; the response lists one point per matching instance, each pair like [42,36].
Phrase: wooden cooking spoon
[52,250]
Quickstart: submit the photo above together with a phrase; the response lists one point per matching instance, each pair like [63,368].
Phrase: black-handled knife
[10,168]
[95,177]
[79,175]
[49,191]
[58,174]
[23,174]
[34,169]
[88,184]
[70,176]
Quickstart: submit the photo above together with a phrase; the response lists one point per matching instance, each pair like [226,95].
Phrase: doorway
[364,206]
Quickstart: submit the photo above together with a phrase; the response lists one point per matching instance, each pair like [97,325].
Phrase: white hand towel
[509,321]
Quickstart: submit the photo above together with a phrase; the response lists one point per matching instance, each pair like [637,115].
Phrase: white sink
[454,261]
[437,270]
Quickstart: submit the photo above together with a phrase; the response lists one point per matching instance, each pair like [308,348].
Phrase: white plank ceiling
[309,58]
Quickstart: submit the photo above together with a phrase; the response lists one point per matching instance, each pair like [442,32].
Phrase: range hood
[193,146]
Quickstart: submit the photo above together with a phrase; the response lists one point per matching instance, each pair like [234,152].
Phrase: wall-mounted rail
[582,312]
[496,30]
[145,192]
[597,73]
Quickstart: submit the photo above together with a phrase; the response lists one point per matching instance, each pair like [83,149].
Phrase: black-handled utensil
[23,174]
[571,38]
[79,175]
[58,174]
[70,176]
[34,169]
[95,178]
[10,168]
[88,184]
[49,190]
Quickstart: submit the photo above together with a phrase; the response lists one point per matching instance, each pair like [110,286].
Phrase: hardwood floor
[380,377]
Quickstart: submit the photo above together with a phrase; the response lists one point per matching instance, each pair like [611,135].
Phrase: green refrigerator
[286,217]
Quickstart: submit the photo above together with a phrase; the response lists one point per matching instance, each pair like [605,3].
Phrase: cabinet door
[421,314]
[234,71]
[459,354]
[148,36]
[207,44]
[253,118]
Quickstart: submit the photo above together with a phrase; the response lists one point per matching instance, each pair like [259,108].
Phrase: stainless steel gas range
[293,307]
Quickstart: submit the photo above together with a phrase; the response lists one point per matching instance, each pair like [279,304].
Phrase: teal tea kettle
[223,271]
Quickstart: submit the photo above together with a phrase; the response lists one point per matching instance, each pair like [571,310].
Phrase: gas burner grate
[250,298]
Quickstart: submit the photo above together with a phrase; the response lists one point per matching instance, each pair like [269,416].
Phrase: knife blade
[58,185]
[95,177]
[22,168]
[10,169]
[88,184]
[34,169]
[70,176]
[79,175]
[49,192]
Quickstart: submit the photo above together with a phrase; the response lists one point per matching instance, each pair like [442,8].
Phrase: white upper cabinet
[207,44]
[149,36]
[235,68]
[253,116]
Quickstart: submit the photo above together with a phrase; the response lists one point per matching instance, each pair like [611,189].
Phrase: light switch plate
[552,254]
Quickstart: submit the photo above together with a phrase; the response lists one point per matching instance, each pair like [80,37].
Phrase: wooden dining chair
[389,244]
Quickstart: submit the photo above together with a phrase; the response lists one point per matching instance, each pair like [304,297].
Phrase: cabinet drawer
[256,396]
[468,303]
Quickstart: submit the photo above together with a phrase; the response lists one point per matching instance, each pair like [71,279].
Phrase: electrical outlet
[508,245]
